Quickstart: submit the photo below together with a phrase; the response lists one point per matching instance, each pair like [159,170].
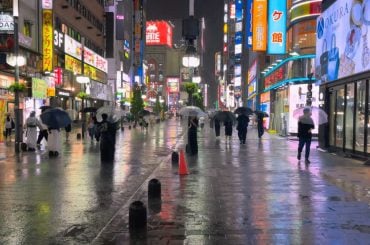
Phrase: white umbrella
[114,113]
[192,111]
[319,116]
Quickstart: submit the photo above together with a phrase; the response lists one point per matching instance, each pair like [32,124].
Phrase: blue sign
[239,10]
[248,23]
[277,18]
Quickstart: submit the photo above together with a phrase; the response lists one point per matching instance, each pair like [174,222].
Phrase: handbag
[329,61]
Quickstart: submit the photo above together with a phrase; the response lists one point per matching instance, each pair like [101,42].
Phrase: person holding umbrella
[55,119]
[43,131]
[192,135]
[228,129]
[217,127]
[260,128]
[305,126]
[242,127]
[108,139]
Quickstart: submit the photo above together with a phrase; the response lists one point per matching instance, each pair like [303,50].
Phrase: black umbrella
[243,110]
[45,107]
[261,113]
[224,116]
[55,118]
[144,113]
[89,109]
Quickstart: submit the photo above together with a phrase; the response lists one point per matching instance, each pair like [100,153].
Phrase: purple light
[120,17]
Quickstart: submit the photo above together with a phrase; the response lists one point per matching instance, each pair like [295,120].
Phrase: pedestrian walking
[217,127]
[54,145]
[43,134]
[31,131]
[242,128]
[260,128]
[201,122]
[91,127]
[228,129]
[305,126]
[108,139]
[9,125]
[68,130]
[192,135]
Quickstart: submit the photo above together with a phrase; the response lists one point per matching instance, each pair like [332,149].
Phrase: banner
[277,18]
[259,38]
[248,23]
[47,40]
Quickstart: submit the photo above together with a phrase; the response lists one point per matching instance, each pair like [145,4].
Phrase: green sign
[39,88]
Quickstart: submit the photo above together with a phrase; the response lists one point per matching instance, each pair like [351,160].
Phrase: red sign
[274,77]
[173,85]
[158,33]
[58,76]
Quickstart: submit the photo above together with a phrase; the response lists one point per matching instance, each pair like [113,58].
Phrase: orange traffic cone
[183,166]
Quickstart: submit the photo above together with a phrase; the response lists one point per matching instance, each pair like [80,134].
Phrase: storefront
[265,106]
[343,70]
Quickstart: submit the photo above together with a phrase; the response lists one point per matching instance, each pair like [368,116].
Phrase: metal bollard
[154,189]
[79,136]
[137,216]
[175,157]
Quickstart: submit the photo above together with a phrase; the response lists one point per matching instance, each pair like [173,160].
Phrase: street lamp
[191,58]
[17,61]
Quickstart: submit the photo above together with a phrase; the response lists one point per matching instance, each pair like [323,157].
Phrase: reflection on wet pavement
[235,194]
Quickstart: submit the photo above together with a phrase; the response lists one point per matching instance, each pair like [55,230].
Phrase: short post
[154,189]
[137,216]
[79,136]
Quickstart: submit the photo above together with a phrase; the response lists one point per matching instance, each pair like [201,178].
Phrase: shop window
[368,123]
[339,119]
[332,118]
[360,116]
[349,114]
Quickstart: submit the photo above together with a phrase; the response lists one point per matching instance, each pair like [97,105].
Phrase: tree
[157,106]
[190,88]
[198,100]
[137,103]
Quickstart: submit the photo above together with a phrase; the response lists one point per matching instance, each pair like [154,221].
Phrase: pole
[83,114]
[17,110]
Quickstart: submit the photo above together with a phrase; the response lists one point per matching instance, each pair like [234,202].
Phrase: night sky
[211,10]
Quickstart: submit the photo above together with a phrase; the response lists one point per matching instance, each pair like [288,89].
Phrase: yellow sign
[72,64]
[259,38]
[47,40]
[51,92]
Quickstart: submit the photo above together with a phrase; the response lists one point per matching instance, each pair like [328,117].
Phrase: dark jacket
[304,130]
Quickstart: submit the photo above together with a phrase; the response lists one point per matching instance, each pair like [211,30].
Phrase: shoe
[56,153]
[307,161]
[51,153]
[299,156]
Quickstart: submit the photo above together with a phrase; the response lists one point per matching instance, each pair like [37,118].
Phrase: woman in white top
[8,126]
[31,125]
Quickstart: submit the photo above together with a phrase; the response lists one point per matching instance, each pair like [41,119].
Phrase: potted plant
[17,87]
[83,95]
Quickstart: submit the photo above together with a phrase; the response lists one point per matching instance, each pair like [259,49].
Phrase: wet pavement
[256,193]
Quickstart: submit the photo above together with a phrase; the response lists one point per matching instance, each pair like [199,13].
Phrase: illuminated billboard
[277,18]
[47,40]
[248,22]
[259,22]
[158,33]
[173,85]
[342,44]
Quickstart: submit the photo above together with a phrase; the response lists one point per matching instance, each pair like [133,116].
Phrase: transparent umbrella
[319,116]
[114,113]
[192,111]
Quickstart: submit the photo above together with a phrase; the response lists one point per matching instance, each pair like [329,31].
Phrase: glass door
[339,117]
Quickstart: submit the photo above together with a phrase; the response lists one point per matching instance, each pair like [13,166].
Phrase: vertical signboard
[47,40]
[248,23]
[277,18]
[259,38]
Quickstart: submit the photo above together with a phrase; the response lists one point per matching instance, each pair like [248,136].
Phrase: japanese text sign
[158,33]
[259,39]
[277,18]
[47,36]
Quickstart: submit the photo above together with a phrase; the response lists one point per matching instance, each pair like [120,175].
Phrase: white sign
[72,47]
[92,58]
[6,23]
[47,4]
[58,39]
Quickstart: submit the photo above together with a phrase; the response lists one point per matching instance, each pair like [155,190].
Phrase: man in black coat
[305,126]
[242,128]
